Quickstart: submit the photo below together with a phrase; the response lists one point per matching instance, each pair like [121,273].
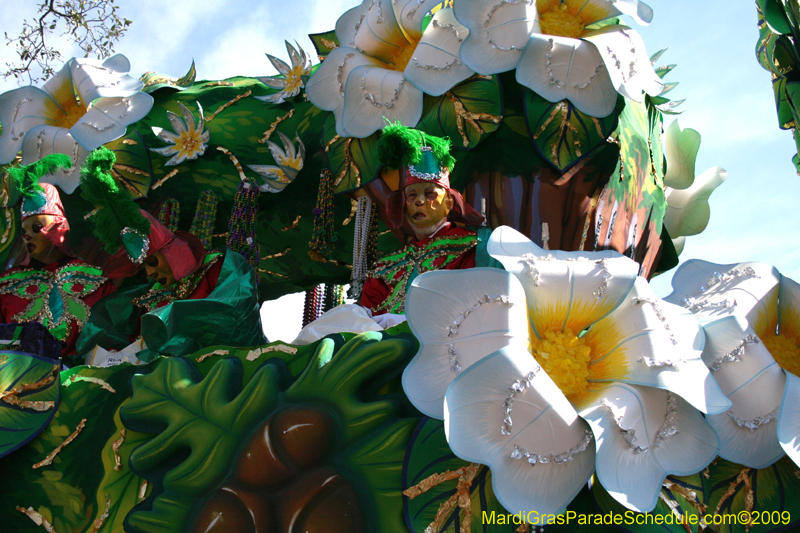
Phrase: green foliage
[18,425]
[119,489]
[154,81]
[63,491]
[353,162]
[466,114]
[324,42]
[771,489]
[685,492]
[428,454]
[564,136]
[132,169]
[204,420]
[93,26]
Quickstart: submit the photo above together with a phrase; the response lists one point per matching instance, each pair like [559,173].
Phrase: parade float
[553,390]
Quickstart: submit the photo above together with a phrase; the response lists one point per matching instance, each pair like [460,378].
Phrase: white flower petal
[789,419]
[20,111]
[279,65]
[165,135]
[435,66]
[498,33]
[410,13]
[626,59]
[118,63]
[754,295]
[267,171]
[658,353]
[167,150]
[681,152]
[108,119]
[325,88]
[754,384]
[543,423]
[93,79]
[46,140]
[188,117]
[373,29]
[628,417]
[433,304]
[688,211]
[638,11]
[373,96]
[574,287]
[274,83]
[558,67]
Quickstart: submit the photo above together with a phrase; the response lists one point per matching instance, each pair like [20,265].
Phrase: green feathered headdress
[400,146]
[24,180]
[117,218]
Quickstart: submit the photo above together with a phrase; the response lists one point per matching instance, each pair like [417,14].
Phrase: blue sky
[755,214]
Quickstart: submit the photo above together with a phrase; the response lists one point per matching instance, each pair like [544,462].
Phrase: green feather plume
[115,207]
[26,178]
[400,146]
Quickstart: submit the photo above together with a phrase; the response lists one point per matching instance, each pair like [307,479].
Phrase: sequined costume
[451,248]
[59,296]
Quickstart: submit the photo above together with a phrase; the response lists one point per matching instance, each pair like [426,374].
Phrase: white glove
[388,320]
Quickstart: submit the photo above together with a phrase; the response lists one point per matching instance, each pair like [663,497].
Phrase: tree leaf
[685,497]
[18,425]
[337,379]
[772,490]
[199,425]
[563,135]
[466,113]
[428,454]
[133,169]
[353,162]
[120,488]
[324,42]
[154,81]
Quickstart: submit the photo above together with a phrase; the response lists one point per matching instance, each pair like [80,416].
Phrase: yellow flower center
[565,357]
[188,143]
[402,56]
[560,21]
[294,80]
[784,350]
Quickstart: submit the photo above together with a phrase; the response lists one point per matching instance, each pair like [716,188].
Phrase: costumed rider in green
[50,285]
[196,299]
[429,211]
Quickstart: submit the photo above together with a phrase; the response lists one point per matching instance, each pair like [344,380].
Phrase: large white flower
[614,384]
[385,64]
[553,52]
[84,106]
[752,324]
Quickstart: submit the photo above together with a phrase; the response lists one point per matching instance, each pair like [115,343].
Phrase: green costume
[228,315]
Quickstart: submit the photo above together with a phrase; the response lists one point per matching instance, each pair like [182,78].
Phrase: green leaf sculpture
[207,417]
[561,134]
[466,114]
[34,380]
[767,494]
[353,162]
[154,81]
[429,454]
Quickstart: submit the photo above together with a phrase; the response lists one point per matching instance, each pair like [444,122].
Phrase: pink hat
[183,251]
[49,203]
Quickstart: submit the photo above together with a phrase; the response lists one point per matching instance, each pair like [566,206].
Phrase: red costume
[59,295]
[451,248]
